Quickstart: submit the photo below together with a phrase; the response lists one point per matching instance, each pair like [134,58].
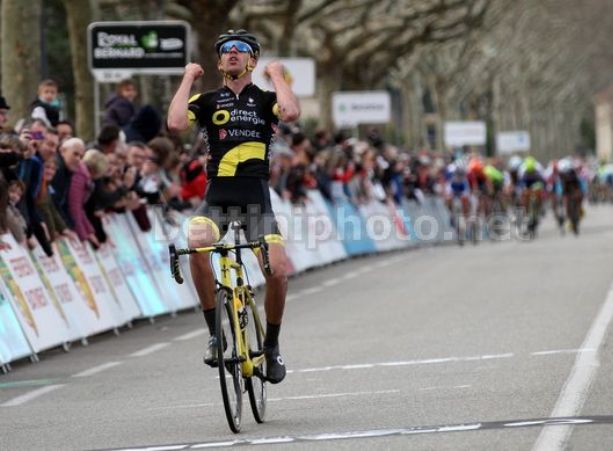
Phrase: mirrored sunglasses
[241,47]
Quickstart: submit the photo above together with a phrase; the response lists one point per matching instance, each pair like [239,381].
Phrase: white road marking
[291,297]
[149,350]
[577,387]
[22,399]
[214,445]
[309,291]
[97,369]
[350,275]
[444,387]
[404,363]
[190,335]
[331,282]
[561,351]
[333,395]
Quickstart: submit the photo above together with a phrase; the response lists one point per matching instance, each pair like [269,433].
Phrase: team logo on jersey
[221,117]
[222,133]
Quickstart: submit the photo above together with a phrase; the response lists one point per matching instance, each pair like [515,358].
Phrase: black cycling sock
[209,317]
[272,335]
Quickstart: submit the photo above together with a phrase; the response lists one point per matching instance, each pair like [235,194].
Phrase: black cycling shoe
[275,367]
[210,357]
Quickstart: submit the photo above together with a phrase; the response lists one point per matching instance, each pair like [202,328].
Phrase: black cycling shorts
[246,199]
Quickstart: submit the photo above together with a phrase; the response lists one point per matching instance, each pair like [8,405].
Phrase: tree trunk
[210,19]
[329,81]
[20,54]
[79,14]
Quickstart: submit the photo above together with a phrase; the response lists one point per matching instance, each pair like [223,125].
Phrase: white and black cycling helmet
[238,35]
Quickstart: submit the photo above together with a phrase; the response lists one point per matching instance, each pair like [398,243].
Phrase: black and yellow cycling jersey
[238,130]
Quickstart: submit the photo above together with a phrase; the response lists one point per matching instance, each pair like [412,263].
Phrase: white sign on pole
[509,142]
[300,74]
[467,133]
[351,108]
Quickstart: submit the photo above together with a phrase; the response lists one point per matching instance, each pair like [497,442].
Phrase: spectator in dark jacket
[145,126]
[71,153]
[120,109]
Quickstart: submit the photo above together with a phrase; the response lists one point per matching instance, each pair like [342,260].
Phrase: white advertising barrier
[175,232]
[134,267]
[153,264]
[381,226]
[509,142]
[322,230]
[81,316]
[158,243]
[300,74]
[80,263]
[117,283]
[291,230]
[13,343]
[467,133]
[351,108]
[44,324]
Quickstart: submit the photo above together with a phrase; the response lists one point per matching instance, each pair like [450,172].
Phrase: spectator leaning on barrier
[56,226]
[120,108]
[4,113]
[108,139]
[68,160]
[30,172]
[93,166]
[65,130]
[47,104]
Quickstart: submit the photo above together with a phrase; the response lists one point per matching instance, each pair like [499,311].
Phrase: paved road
[441,348]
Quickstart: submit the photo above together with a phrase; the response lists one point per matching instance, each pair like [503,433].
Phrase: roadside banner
[81,264]
[81,318]
[117,283]
[13,343]
[43,324]
[465,133]
[134,268]
[299,73]
[158,243]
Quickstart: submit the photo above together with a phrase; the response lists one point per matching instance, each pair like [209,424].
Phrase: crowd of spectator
[53,184]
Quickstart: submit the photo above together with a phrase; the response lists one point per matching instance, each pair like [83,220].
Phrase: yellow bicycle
[238,327]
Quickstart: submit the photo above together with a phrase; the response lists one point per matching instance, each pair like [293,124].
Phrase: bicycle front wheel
[255,384]
[230,379]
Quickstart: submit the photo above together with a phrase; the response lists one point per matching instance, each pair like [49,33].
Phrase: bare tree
[20,53]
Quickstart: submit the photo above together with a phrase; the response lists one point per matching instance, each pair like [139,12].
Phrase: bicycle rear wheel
[230,379]
[255,385]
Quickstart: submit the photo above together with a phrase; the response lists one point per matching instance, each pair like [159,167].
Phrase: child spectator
[120,109]
[47,105]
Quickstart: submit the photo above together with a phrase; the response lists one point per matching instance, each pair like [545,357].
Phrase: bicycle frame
[238,293]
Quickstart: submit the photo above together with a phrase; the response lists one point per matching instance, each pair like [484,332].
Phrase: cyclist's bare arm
[289,108]
[177,112]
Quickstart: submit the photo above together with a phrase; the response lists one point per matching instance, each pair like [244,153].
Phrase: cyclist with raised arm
[238,121]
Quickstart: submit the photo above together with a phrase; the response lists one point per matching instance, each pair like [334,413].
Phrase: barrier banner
[13,343]
[306,254]
[322,230]
[81,264]
[81,318]
[116,282]
[381,226]
[351,227]
[291,227]
[134,268]
[157,243]
[283,213]
[174,231]
[42,322]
